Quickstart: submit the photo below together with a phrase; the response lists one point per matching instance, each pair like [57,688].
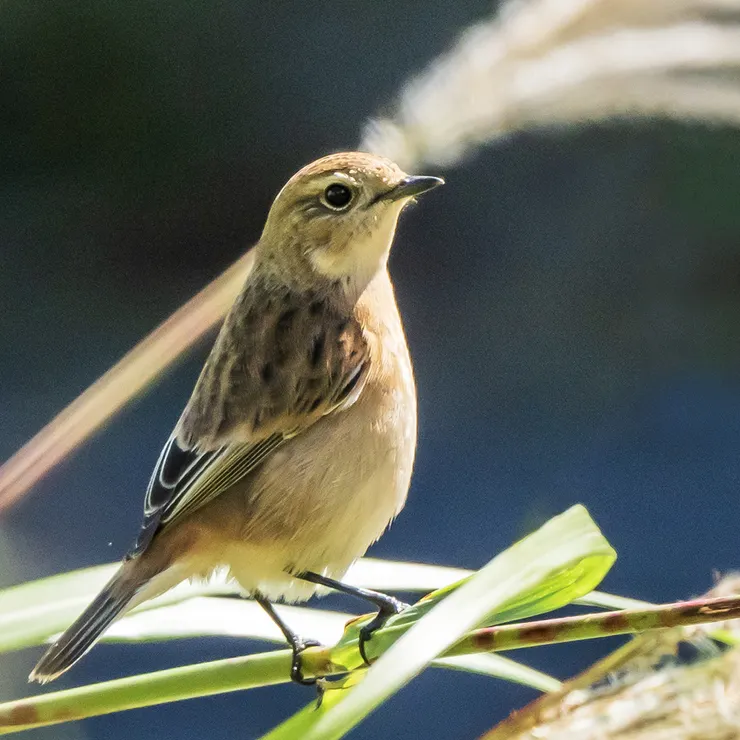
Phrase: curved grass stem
[265,669]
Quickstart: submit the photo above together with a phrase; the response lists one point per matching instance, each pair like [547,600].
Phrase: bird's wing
[184,479]
[305,363]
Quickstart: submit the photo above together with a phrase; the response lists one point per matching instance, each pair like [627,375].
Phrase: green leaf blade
[562,561]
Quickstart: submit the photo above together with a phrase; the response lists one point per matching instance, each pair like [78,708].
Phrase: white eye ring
[337,196]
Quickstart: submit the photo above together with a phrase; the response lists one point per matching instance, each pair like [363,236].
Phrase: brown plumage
[295,449]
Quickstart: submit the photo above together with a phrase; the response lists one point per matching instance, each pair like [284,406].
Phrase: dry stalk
[677,684]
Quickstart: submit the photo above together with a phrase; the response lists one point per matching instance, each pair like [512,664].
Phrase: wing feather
[271,375]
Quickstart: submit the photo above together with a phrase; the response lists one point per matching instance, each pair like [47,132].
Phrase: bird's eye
[337,196]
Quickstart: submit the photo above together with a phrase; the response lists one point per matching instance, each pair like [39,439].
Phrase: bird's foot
[296,667]
[387,609]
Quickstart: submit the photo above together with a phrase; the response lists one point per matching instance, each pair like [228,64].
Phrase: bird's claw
[389,609]
[296,667]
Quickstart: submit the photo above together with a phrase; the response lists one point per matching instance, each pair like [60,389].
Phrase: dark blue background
[571,300]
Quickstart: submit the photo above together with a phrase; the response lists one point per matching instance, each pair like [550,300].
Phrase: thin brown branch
[120,384]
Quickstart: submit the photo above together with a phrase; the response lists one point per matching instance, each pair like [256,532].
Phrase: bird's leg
[298,644]
[387,605]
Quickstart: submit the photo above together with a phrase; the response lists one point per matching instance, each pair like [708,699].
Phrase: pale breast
[330,492]
[324,496]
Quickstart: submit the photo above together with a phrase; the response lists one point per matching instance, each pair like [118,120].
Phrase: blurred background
[571,299]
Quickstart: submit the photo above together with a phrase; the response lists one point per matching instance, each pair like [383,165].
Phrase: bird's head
[335,219]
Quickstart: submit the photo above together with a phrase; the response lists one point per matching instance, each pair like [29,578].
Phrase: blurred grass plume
[537,63]
[565,62]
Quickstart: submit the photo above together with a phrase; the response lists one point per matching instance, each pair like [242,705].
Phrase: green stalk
[265,669]
[603,624]
[160,687]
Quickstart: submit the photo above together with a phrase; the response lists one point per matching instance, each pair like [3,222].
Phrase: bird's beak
[411,186]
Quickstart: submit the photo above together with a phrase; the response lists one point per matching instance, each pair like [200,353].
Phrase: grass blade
[603,600]
[217,617]
[241,618]
[270,668]
[33,612]
[567,556]
[496,666]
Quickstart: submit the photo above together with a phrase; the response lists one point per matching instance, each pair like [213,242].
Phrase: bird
[295,450]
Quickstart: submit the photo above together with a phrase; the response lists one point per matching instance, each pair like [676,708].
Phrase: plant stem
[266,669]
[590,626]
[126,379]
[185,682]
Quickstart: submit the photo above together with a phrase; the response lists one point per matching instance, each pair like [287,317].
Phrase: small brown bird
[295,450]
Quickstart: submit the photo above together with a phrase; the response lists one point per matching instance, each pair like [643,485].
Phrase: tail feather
[84,632]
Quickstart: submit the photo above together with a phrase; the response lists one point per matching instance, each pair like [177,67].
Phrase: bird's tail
[117,595]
